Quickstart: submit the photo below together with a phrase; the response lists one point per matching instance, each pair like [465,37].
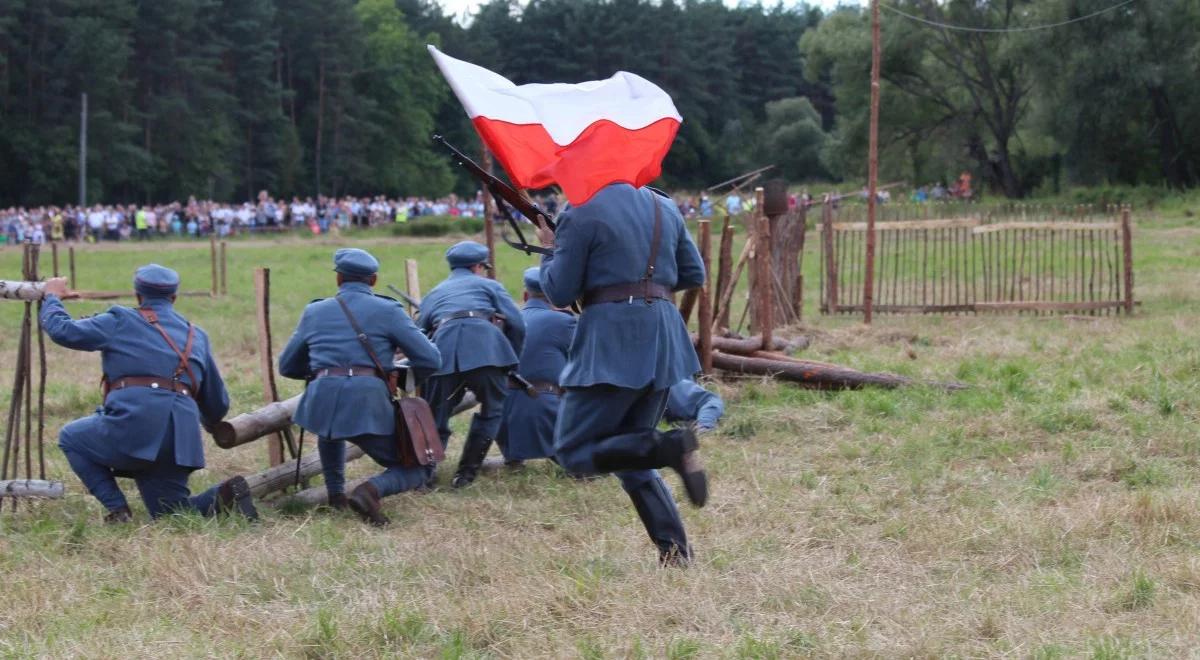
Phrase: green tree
[793,139]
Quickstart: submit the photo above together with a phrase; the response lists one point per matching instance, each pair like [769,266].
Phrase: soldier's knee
[574,462]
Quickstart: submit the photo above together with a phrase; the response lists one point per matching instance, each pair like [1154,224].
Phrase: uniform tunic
[528,428]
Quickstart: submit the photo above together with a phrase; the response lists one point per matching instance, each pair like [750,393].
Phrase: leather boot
[677,449]
[474,451]
[118,516]
[338,502]
[234,494]
[365,501]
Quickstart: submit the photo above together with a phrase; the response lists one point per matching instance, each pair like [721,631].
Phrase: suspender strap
[366,343]
[184,365]
[655,239]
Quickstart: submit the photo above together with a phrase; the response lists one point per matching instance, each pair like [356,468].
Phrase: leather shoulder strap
[655,239]
[365,341]
[151,317]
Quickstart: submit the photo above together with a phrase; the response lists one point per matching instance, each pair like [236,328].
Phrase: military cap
[533,279]
[355,262]
[467,254]
[153,280]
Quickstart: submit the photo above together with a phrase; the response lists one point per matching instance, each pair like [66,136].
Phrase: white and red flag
[582,136]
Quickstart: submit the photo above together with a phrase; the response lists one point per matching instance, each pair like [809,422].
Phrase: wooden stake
[1127,254]
[411,281]
[724,270]
[71,266]
[831,291]
[763,289]
[212,252]
[872,165]
[706,312]
[266,361]
[224,264]
[54,256]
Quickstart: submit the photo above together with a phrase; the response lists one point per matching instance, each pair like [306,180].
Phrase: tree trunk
[1176,166]
[320,121]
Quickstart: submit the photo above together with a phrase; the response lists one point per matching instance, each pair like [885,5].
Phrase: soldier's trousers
[490,387]
[163,484]
[605,418]
[382,449]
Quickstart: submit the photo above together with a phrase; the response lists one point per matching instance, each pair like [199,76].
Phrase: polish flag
[582,137]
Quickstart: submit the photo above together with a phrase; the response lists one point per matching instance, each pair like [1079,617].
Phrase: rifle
[505,196]
[412,303]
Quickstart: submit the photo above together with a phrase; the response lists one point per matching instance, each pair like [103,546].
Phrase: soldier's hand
[57,286]
[545,236]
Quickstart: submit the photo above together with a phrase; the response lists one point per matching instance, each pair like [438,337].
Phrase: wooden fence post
[724,269]
[224,264]
[54,256]
[831,265]
[71,266]
[706,311]
[763,280]
[266,360]
[212,250]
[489,213]
[411,282]
[1127,249]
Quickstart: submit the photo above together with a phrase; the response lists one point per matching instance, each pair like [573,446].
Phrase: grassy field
[1048,511]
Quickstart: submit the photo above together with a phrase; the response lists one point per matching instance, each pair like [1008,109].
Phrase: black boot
[118,516]
[474,451]
[365,501]
[234,493]
[676,449]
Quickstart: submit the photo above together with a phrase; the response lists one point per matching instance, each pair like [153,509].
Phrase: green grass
[1048,511]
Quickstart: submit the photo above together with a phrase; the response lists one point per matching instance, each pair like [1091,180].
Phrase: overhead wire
[1030,28]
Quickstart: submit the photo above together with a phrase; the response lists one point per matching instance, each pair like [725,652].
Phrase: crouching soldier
[344,347]
[687,402]
[160,384]
[479,330]
[529,416]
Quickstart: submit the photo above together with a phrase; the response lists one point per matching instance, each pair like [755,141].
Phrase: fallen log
[21,290]
[748,345]
[52,490]
[247,427]
[816,375]
[284,475]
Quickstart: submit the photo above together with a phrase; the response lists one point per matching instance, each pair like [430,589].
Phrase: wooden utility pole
[872,167]
[489,214]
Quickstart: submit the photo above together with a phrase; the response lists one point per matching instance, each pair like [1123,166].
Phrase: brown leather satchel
[416,432]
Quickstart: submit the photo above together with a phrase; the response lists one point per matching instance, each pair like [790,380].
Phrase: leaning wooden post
[1127,249]
[724,269]
[411,281]
[489,214]
[706,311]
[71,267]
[765,299]
[262,297]
[54,256]
[224,263]
[831,265]
[212,250]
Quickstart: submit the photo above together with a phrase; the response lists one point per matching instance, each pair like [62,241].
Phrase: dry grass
[1047,512]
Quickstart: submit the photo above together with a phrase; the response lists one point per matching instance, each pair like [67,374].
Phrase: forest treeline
[222,98]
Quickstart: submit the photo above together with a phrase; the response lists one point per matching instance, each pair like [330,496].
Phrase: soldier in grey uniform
[347,397]
[479,331]
[161,383]
[624,252]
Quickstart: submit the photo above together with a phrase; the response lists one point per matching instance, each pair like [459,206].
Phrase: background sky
[462,8]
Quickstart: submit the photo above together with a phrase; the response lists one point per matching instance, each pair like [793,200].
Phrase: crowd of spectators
[117,222]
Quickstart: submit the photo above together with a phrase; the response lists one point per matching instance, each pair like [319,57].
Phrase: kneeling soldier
[464,315]
[160,384]
[529,416]
[347,396]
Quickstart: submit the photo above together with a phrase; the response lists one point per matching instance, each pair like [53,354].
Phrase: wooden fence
[1027,263]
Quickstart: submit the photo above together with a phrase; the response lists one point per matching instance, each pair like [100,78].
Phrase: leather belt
[153,382]
[346,371]
[538,386]
[467,314]
[627,293]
